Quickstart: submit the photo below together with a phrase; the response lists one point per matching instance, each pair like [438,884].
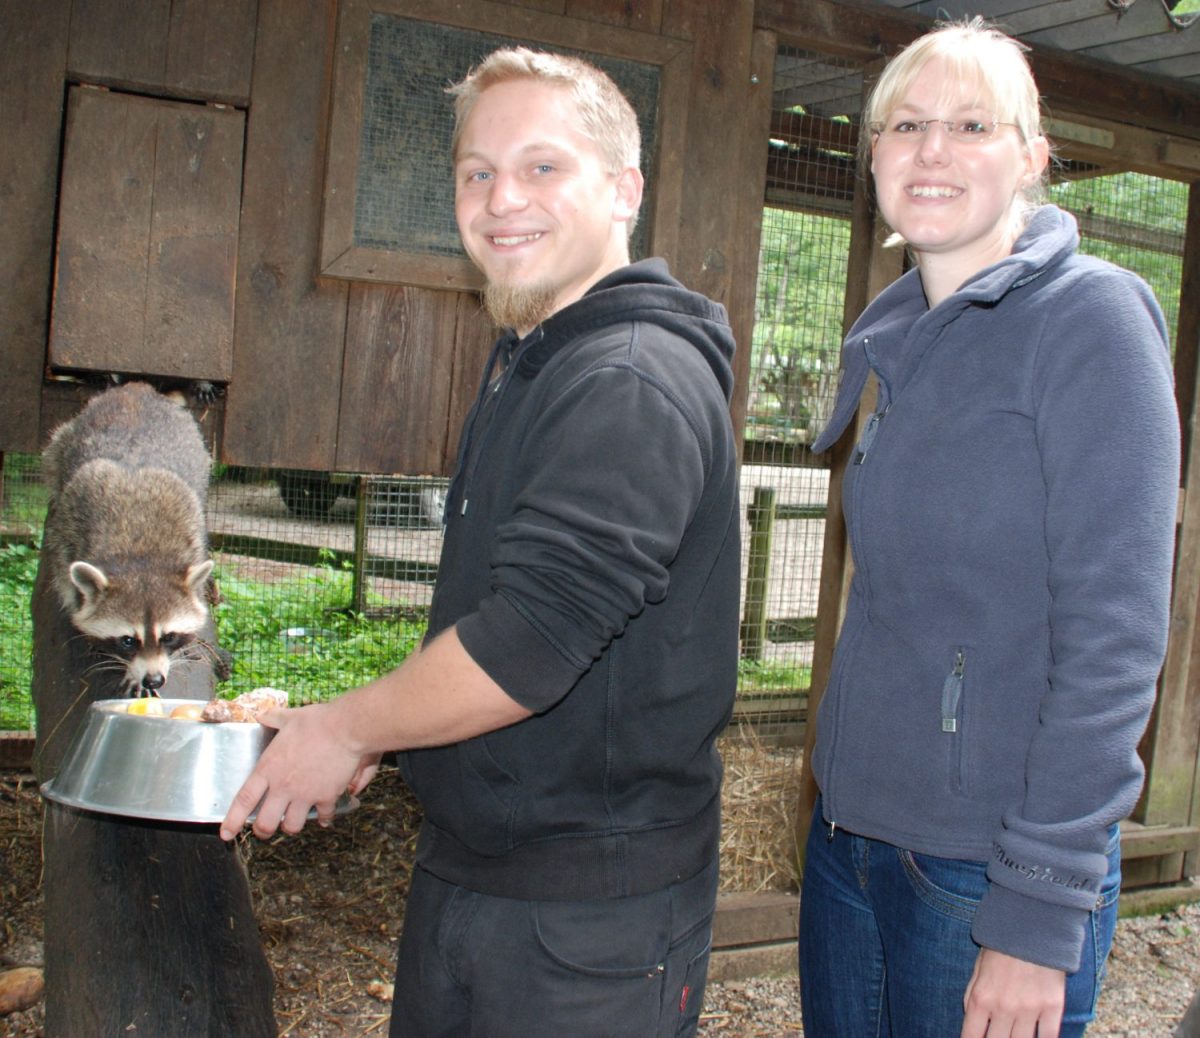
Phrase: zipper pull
[829,835]
[952,693]
[870,431]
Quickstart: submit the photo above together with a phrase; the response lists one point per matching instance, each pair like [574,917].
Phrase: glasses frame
[881,131]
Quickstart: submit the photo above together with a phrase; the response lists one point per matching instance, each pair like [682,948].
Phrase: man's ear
[630,185]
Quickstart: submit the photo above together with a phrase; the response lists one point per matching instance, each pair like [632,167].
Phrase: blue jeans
[885,939]
[491,967]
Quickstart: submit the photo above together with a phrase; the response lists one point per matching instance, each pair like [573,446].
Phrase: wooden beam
[1171,747]
[747,918]
[1067,81]
[1152,841]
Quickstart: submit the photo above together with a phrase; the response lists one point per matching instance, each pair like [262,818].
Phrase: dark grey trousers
[476,966]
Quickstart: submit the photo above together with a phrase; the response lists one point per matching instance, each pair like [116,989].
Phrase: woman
[1011,508]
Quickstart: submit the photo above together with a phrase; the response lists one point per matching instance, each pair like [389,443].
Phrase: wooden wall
[205,265]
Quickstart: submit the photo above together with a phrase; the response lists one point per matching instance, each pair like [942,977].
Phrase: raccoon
[125,538]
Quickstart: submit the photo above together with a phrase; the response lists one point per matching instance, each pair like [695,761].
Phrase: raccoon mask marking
[105,606]
[125,532]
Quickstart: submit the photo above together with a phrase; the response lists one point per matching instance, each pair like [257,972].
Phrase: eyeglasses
[968,130]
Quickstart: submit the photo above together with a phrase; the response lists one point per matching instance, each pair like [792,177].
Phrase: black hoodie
[591,565]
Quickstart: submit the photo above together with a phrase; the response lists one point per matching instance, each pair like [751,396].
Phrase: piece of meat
[246,707]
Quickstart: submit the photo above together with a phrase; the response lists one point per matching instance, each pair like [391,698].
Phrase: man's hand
[310,763]
[1011,998]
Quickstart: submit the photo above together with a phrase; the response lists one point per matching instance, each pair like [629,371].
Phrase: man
[558,723]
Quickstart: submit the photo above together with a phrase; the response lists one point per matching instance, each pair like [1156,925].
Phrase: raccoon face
[140,620]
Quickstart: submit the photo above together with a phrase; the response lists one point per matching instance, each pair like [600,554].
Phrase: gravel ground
[330,906]
[1153,975]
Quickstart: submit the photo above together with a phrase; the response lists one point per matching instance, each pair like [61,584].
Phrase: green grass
[18,567]
[344,648]
[755,676]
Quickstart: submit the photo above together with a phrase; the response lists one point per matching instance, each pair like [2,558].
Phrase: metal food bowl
[159,767]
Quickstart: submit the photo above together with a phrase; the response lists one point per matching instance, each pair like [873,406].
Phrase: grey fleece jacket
[1011,511]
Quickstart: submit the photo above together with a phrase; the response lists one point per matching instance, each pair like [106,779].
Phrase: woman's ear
[1037,155]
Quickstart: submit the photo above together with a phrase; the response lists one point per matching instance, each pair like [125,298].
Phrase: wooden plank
[766,960]
[16,750]
[643,15]
[396,379]
[105,209]
[192,254]
[1153,841]
[33,55]
[720,96]
[1157,901]
[181,48]
[1066,81]
[287,352]
[755,918]
[473,339]
[148,218]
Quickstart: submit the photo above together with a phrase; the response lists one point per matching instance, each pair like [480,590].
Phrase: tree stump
[149,926]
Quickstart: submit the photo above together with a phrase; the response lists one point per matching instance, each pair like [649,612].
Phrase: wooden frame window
[389,192]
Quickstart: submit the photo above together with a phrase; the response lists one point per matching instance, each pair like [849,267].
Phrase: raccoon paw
[222,664]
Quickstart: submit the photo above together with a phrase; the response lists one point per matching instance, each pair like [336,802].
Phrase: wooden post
[762,523]
[869,270]
[358,594]
[149,927]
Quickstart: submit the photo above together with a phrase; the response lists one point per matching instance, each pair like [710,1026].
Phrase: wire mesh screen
[404,198]
[1136,221]
[792,382]
[324,579]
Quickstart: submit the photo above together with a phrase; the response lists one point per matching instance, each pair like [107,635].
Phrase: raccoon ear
[198,574]
[88,580]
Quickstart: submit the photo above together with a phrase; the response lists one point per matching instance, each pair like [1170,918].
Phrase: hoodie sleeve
[614,469]
[1108,436]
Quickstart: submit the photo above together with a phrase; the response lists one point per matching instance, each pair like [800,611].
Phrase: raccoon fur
[125,537]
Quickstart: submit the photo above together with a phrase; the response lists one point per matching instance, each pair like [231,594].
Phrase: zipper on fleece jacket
[952,693]
[871,429]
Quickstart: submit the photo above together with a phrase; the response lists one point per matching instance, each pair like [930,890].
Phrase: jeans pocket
[950,886]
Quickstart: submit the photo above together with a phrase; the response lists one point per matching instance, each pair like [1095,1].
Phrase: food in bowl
[249,706]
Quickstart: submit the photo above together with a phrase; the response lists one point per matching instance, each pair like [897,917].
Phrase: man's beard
[518,306]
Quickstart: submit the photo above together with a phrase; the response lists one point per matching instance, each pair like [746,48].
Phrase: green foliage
[1146,211]
[18,568]
[797,320]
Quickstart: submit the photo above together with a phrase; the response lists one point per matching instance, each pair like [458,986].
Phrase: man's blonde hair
[606,117]
[979,58]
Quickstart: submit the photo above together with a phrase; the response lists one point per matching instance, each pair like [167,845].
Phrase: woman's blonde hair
[978,57]
[607,118]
